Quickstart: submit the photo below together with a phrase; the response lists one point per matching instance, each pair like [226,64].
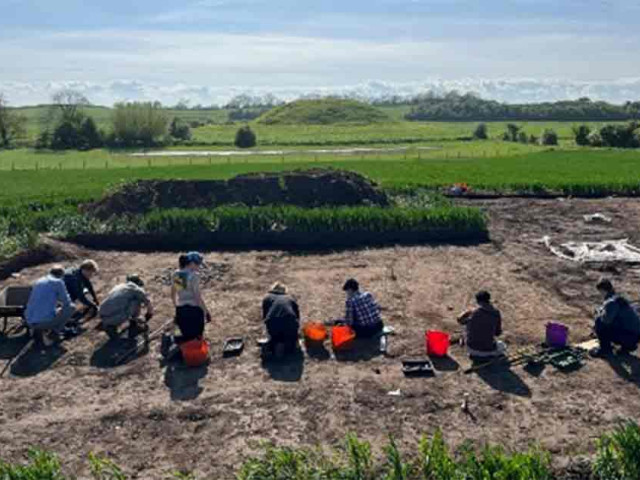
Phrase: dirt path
[154,419]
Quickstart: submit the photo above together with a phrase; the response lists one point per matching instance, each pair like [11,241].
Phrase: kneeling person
[125,303]
[616,322]
[362,311]
[483,324]
[49,307]
[281,316]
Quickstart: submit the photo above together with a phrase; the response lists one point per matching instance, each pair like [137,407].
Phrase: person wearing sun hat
[281,316]
[124,303]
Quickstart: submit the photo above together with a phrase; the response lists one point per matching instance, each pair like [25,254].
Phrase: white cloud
[209,68]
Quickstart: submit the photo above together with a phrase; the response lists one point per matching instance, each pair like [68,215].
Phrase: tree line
[469,107]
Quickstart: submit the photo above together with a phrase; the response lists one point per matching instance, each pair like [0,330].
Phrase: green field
[570,171]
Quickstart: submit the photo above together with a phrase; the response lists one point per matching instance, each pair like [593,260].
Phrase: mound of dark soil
[47,251]
[309,188]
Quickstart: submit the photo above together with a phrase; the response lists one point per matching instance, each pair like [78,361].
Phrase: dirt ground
[154,419]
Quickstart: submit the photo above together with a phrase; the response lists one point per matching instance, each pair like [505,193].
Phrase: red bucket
[437,343]
[342,337]
[195,352]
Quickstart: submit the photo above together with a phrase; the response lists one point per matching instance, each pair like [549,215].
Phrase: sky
[206,51]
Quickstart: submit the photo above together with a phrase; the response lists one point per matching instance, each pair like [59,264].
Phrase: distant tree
[549,137]
[66,136]
[620,136]
[66,106]
[595,140]
[44,140]
[12,125]
[582,134]
[481,132]
[90,136]
[533,140]
[245,138]
[138,124]
[523,138]
[512,131]
[506,137]
[179,129]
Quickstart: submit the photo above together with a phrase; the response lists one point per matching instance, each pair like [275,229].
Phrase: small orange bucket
[342,337]
[195,352]
[316,332]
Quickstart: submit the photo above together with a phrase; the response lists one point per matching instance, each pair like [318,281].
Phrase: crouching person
[49,307]
[362,311]
[281,316]
[124,304]
[78,283]
[484,325]
[616,322]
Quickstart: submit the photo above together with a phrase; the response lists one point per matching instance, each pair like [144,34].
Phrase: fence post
[84,164]
[36,166]
[60,165]
[13,166]
[209,159]
[106,164]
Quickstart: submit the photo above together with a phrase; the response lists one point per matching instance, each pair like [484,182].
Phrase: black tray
[417,368]
[233,347]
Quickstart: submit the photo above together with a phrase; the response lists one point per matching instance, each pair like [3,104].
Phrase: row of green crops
[617,458]
[21,223]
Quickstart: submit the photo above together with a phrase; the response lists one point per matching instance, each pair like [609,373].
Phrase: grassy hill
[323,112]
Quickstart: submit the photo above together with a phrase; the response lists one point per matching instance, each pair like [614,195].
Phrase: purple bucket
[557,335]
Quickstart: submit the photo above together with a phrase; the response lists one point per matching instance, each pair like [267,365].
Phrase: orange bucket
[195,352]
[316,332]
[437,343]
[342,337]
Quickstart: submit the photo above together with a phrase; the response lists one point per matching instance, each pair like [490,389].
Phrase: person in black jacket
[78,283]
[281,316]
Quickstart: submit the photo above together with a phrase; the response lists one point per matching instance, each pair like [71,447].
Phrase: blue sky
[208,50]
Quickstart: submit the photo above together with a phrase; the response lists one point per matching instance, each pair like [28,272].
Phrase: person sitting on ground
[124,303]
[49,307]
[362,311]
[191,311]
[281,316]
[616,322]
[483,324]
[78,283]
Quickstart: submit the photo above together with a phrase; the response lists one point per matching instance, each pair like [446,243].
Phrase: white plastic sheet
[595,252]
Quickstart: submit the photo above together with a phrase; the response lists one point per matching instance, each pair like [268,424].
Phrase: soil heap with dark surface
[309,188]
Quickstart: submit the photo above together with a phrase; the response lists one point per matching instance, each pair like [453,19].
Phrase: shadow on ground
[110,353]
[286,369]
[184,382]
[503,379]
[36,360]
[627,367]
[363,350]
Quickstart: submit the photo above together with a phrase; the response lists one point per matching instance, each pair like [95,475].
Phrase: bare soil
[154,419]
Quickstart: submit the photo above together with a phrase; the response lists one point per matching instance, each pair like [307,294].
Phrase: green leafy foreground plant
[618,456]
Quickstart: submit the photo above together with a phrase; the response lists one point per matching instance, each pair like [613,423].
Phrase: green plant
[245,138]
[618,455]
[434,459]
[104,469]
[41,466]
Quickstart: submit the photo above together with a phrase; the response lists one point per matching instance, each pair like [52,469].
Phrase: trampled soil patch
[310,188]
[154,419]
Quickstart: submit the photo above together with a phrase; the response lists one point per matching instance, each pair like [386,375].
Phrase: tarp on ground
[595,252]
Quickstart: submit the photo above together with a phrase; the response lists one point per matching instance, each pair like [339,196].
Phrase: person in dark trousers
[616,322]
[362,311]
[78,283]
[483,325]
[191,311]
[281,316]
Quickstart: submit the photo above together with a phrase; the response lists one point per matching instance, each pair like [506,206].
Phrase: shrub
[594,139]
[66,136]
[618,455]
[549,137]
[41,466]
[512,131]
[523,138]
[245,138]
[582,135]
[620,136]
[179,129]
[90,136]
[533,140]
[481,132]
[139,124]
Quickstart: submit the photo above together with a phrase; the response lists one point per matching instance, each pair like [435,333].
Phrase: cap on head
[90,266]
[134,278]
[195,257]
[278,288]
[483,296]
[604,285]
[57,271]
[351,284]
